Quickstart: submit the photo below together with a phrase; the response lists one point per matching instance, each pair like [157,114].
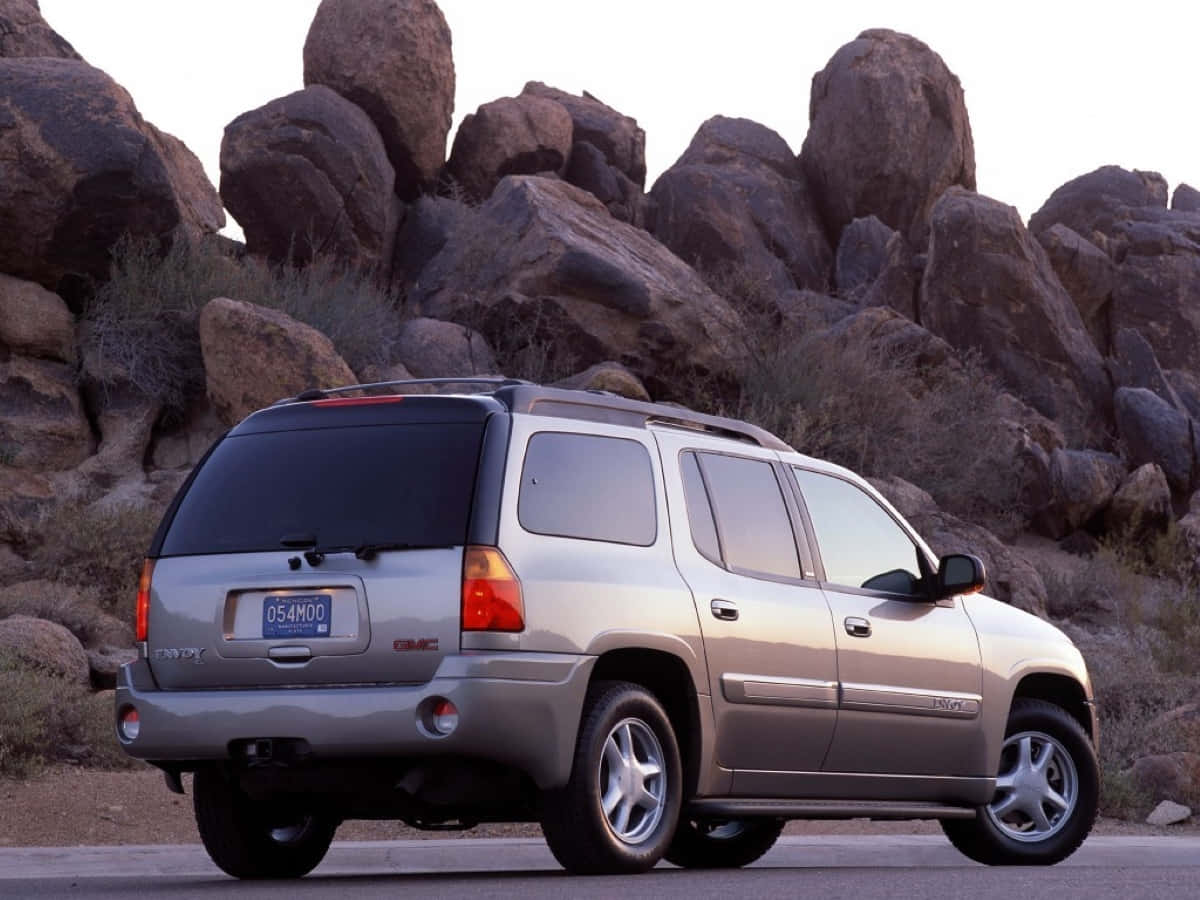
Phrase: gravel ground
[69,806]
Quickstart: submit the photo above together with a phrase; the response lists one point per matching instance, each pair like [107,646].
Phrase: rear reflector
[129,724]
[445,717]
[491,593]
[358,401]
[143,601]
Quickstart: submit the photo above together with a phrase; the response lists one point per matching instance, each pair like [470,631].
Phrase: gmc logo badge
[415,644]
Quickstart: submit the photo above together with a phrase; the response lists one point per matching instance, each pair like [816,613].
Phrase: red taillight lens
[358,401]
[143,600]
[491,593]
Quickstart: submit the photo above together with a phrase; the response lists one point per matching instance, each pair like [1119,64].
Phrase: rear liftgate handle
[856,627]
[725,610]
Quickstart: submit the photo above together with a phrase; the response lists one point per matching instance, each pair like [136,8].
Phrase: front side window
[861,545]
[588,486]
[751,516]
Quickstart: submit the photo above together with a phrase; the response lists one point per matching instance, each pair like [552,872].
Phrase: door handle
[725,610]
[856,627]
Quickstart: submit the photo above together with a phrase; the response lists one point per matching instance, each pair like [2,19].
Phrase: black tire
[574,821]
[250,840]
[713,844]
[986,841]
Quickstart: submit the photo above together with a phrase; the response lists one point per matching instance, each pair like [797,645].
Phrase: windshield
[347,487]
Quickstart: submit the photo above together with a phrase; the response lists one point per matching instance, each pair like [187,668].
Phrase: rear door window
[344,486]
[588,486]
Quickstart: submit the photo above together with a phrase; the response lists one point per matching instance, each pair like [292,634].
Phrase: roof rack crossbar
[494,381]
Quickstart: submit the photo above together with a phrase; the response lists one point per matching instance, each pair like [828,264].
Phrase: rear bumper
[518,709]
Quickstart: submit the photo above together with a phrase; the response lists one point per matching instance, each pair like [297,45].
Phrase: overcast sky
[1054,89]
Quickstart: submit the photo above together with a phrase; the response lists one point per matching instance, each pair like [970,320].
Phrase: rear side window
[700,514]
[587,486]
[344,486]
[752,520]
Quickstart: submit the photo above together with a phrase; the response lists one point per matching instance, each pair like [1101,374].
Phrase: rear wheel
[1047,792]
[254,840]
[620,808]
[722,844]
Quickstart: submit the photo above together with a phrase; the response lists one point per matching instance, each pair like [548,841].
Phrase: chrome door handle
[725,610]
[856,627]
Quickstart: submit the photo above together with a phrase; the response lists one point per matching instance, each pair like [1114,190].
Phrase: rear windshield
[346,487]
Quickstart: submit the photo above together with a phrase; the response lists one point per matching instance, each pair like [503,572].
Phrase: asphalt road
[860,867]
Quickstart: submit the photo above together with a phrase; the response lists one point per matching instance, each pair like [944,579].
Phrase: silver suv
[655,632]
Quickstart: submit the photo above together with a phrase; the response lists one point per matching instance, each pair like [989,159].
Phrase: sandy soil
[69,806]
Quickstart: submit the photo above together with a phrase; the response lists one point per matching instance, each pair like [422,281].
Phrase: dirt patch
[68,806]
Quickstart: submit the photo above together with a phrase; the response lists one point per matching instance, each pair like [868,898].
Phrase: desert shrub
[141,327]
[46,719]
[1102,588]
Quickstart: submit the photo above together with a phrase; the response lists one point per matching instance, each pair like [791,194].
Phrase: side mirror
[959,573]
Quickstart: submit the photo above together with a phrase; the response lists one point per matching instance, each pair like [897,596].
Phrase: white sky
[1054,89]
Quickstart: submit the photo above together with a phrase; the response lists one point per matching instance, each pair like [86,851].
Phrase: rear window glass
[345,486]
[586,486]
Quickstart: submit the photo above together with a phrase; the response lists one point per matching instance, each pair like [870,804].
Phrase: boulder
[546,264]
[910,501]
[23,32]
[428,224]
[1186,198]
[42,421]
[898,280]
[429,348]
[607,376]
[104,664]
[615,135]
[1142,504]
[1186,386]
[81,170]
[1134,365]
[888,133]
[35,322]
[861,255]
[523,135]
[1154,295]
[895,336]
[1082,483]
[44,645]
[1167,776]
[203,212]
[1100,200]
[307,175]
[1087,273]
[737,200]
[1169,813]
[989,286]
[590,170]
[1154,431]
[183,445]
[393,59]
[254,356]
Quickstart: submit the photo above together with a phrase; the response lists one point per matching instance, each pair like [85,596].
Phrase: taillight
[359,401]
[491,593]
[143,600]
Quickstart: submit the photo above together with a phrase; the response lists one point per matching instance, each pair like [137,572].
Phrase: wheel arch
[1061,690]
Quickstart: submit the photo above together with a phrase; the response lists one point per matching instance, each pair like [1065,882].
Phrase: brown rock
[184,445]
[523,135]
[429,348]
[1186,198]
[202,211]
[81,170]
[617,136]
[895,336]
[254,356]
[23,32]
[1154,431]
[1142,505]
[989,286]
[861,255]
[1086,272]
[1099,200]
[44,645]
[307,175]
[888,133]
[623,197]
[898,280]
[607,376]
[1081,484]
[737,200]
[1154,295]
[909,500]
[34,321]
[1168,776]
[42,423]
[1133,364]
[547,261]
[393,59]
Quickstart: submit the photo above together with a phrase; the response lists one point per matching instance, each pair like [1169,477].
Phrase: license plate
[300,616]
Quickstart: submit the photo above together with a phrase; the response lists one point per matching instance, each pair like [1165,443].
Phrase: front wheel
[254,840]
[722,844]
[619,809]
[1047,792]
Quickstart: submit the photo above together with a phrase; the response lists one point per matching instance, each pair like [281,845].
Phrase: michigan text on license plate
[298,616]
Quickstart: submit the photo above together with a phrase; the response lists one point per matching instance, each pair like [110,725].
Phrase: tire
[1057,755]
[621,721]
[716,844]
[248,840]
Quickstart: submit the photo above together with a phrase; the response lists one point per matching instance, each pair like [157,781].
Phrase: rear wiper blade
[368,551]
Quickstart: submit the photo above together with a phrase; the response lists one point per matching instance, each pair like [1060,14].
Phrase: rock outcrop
[1087,273]
[1098,201]
[44,645]
[23,32]
[429,348]
[614,134]
[307,175]
[1142,504]
[393,59]
[1082,483]
[737,200]
[35,322]
[1154,431]
[888,133]
[862,254]
[254,356]
[42,422]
